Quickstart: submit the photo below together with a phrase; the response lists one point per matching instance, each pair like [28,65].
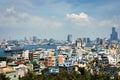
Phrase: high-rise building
[69,38]
[85,40]
[78,42]
[114,35]
[102,42]
[98,40]
[34,39]
[88,40]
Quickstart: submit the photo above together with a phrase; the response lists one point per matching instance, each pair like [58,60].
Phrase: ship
[13,49]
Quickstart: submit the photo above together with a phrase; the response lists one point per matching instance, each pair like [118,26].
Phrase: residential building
[31,56]
[12,74]
[25,55]
[36,55]
[54,70]
[2,64]
[51,53]
[112,59]
[60,60]
[50,61]
[21,69]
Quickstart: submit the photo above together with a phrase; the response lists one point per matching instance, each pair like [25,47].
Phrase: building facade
[69,38]
[114,34]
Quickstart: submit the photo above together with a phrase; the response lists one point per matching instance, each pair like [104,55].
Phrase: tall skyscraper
[85,40]
[34,38]
[114,35]
[69,38]
[88,40]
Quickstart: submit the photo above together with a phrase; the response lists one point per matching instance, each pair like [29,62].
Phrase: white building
[25,54]
[112,59]
[2,64]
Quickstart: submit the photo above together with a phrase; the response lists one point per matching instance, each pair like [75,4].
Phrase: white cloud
[82,15]
[10,10]
[80,19]
[85,20]
[12,18]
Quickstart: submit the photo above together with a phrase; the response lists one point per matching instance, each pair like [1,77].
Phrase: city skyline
[56,19]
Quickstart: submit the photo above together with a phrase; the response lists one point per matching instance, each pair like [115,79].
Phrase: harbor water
[27,47]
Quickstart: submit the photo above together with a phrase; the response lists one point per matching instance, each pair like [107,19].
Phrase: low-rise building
[2,64]
[112,59]
[60,60]
[10,73]
[50,61]
[54,70]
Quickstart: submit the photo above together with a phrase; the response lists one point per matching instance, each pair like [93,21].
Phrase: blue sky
[58,18]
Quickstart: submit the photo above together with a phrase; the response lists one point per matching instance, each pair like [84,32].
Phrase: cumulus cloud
[82,18]
[90,25]
[13,18]
[10,10]
[82,15]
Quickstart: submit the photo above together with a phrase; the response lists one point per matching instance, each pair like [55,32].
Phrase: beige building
[2,64]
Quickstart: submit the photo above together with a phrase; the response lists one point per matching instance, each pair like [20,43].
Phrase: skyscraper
[114,35]
[88,40]
[69,38]
[34,38]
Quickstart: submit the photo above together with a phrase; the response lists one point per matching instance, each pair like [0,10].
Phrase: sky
[58,18]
